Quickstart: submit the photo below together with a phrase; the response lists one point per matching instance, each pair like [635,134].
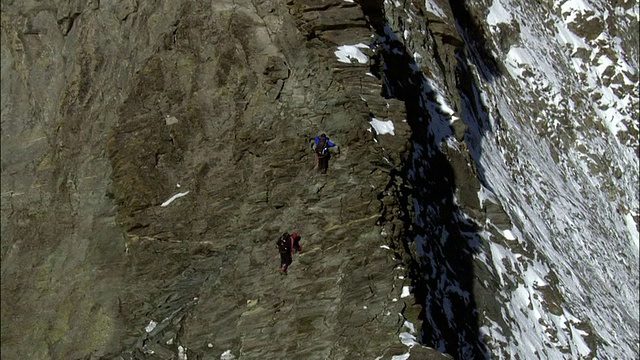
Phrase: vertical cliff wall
[111,108]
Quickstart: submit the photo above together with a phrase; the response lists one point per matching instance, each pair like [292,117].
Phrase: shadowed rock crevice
[439,241]
[478,45]
[444,242]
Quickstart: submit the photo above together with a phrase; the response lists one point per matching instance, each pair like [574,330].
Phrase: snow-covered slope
[553,128]
[568,181]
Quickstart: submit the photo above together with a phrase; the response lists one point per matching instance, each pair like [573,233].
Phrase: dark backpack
[283,242]
[322,149]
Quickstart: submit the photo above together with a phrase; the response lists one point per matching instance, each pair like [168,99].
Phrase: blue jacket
[329,143]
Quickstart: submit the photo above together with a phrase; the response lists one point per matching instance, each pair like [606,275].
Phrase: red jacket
[289,243]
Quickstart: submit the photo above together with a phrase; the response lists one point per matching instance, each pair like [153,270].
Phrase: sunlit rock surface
[482,201]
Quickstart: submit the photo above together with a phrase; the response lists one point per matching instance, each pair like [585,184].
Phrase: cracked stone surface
[110,109]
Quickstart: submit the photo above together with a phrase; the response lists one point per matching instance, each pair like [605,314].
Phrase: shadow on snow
[442,273]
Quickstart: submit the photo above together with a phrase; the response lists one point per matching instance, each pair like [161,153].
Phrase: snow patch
[497,14]
[401,357]
[577,336]
[382,127]
[575,6]
[486,194]
[227,355]
[407,339]
[507,234]
[405,292]
[433,8]
[568,37]
[349,53]
[152,325]
[498,255]
[410,326]
[182,353]
[633,230]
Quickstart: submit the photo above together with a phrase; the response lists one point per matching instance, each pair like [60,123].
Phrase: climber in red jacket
[287,244]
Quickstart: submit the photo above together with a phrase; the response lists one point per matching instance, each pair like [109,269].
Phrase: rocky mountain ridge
[111,110]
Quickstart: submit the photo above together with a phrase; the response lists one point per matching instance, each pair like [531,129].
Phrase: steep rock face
[152,153]
[108,110]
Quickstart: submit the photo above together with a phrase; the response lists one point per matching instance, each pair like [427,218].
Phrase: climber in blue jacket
[321,145]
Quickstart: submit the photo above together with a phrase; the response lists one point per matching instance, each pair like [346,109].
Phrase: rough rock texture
[153,152]
[111,108]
